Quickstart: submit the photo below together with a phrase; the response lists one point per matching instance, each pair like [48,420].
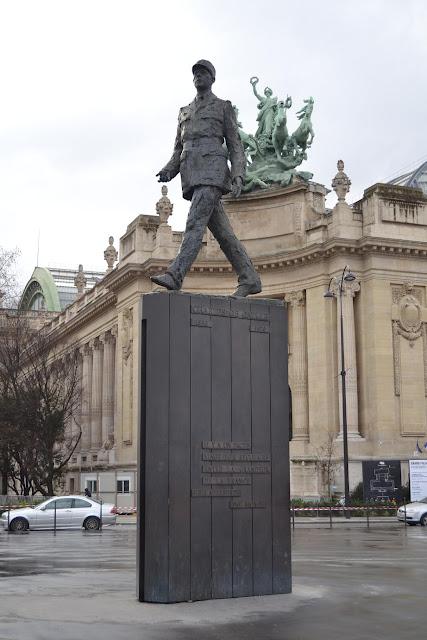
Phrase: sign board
[381,480]
[418,479]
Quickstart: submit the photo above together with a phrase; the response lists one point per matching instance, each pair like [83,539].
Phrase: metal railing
[332,514]
[337,514]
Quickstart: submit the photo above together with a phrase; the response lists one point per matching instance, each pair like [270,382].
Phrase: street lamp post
[346,276]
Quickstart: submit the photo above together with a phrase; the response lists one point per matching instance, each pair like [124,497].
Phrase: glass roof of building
[416,178]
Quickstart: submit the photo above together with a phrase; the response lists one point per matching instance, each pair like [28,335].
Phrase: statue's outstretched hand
[236,186]
[164,176]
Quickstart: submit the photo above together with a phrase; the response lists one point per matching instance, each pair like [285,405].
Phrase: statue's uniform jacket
[199,153]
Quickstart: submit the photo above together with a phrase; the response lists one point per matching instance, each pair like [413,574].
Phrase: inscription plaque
[201,322]
[229,455]
[217,492]
[213,468]
[217,444]
[236,468]
[226,480]
[247,504]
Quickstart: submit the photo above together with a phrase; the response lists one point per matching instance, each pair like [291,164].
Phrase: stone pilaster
[298,367]
[108,379]
[96,408]
[86,353]
[77,421]
[349,291]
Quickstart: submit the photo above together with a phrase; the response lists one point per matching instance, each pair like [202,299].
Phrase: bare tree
[327,464]
[8,280]
[40,397]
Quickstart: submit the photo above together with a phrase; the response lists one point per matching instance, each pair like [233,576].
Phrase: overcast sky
[90,91]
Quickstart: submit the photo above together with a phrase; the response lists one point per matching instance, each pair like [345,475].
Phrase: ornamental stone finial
[164,206]
[110,254]
[341,183]
[80,281]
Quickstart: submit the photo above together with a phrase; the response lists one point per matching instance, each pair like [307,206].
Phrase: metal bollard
[367,515]
[330,517]
[54,518]
[404,504]
[293,517]
[100,514]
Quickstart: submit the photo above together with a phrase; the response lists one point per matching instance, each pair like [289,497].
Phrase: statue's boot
[165,280]
[247,289]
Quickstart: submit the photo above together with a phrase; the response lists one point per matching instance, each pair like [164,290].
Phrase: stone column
[96,408]
[108,379]
[298,368]
[86,353]
[349,291]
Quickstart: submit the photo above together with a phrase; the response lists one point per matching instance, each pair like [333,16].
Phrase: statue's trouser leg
[233,249]
[203,204]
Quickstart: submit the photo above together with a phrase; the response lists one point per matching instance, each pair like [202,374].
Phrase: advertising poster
[381,480]
[418,479]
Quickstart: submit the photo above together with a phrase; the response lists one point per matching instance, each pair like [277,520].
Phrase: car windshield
[423,500]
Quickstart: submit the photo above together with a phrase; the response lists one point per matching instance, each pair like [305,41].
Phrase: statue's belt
[205,146]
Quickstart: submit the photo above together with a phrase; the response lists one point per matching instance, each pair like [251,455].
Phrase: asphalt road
[349,583]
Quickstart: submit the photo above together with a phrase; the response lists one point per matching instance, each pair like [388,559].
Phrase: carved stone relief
[127,334]
[399,291]
[407,322]
[127,375]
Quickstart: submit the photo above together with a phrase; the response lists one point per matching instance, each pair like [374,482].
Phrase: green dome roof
[53,289]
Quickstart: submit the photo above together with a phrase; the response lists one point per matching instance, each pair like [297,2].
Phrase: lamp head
[349,277]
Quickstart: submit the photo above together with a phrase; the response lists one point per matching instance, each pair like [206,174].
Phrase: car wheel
[423,520]
[19,524]
[91,523]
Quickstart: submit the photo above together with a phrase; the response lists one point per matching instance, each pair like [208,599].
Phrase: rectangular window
[71,485]
[92,485]
[123,486]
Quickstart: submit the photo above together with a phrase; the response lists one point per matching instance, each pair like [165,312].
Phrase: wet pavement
[349,582]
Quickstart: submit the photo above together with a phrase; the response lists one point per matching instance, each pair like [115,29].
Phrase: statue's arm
[254,82]
[234,144]
[171,168]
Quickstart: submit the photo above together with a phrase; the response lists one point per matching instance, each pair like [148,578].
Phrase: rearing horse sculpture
[300,137]
[280,131]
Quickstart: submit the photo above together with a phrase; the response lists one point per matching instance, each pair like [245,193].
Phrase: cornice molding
[128,272]
[312,253]
[84,315]
[120,277]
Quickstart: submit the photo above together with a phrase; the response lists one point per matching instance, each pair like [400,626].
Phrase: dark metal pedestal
[213,512]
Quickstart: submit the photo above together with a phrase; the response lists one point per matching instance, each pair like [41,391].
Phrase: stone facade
[297,246]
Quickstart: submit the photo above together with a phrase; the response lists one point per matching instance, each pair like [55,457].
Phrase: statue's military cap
[206,65]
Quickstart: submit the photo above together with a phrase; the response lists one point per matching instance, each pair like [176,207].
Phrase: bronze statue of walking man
[201,159]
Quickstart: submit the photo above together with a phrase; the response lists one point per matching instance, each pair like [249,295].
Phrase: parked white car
[416,513]
[72,512]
